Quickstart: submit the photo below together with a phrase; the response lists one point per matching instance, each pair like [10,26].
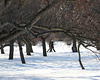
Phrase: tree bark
[74,47]
[2,50]
[31,50]
[44,46]
[80,62]
[28,50]
[21,52]
[28,46]
[29,25]
[11,50]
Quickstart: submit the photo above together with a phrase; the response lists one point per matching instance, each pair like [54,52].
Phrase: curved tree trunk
[21,52]
[2,50]
[80,58]
[11,50]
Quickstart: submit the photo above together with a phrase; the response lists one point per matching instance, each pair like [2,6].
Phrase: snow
[59,65]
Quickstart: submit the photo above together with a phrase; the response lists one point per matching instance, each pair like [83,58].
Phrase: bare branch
[92,51]
[29,25]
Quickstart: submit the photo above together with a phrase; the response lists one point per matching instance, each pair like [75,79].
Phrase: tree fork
[31,24]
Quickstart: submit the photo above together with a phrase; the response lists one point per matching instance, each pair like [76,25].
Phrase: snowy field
[61,65]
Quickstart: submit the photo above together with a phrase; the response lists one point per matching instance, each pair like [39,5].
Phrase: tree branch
[29,25]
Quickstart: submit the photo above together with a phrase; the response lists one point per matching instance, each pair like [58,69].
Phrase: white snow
[59,65]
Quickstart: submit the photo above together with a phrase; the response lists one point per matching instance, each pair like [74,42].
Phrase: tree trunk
[44,46]
[28,49]
[11,50]
[31,50]
[2,50]
[21,52]
[28,46]
[80,58]
[74,48]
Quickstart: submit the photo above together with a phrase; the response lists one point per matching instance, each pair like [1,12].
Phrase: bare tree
[77,19]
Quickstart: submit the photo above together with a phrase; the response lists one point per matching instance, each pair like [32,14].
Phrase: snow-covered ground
[61,65]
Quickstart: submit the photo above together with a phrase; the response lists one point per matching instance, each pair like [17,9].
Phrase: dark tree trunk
[80,62]
[74,47]
[11,50]
[44,46]
[21,52]
[2,50]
